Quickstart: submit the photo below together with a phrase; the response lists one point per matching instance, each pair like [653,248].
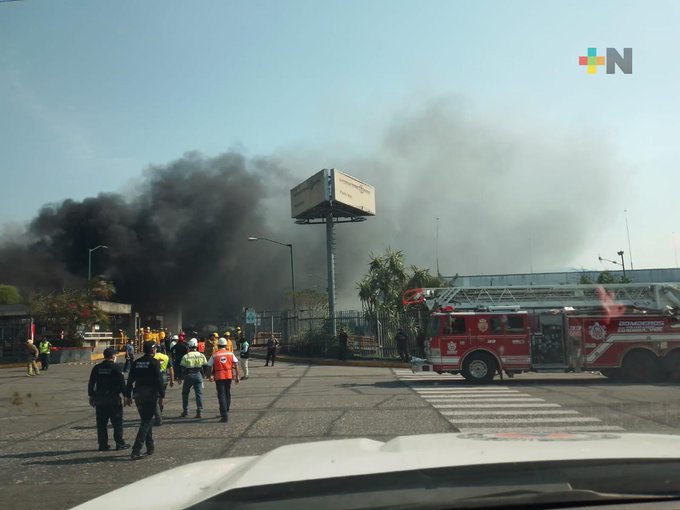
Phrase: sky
[93,93]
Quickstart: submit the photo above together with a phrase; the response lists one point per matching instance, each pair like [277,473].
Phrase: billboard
[310,194]
[353,194]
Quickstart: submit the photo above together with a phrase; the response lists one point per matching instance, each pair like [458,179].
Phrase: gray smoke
[508,198]
[181,239]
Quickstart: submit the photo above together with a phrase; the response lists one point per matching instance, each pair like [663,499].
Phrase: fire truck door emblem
[483,325]
[451,347]
[597,331]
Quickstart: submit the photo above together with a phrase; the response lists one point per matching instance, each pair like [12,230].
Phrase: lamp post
[89,259]
[622,263]
[292,267]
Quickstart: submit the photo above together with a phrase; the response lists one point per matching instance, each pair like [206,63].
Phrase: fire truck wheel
[479,368]
[671,366]
[641,366]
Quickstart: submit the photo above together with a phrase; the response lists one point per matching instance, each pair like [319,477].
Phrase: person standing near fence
[129,355]
[272,344]
[245,354]
[402,345]
[342,344]
[44,347]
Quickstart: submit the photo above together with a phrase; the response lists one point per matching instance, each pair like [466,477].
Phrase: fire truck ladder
[652,296]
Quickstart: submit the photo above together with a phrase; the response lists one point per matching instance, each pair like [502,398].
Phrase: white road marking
[496,408]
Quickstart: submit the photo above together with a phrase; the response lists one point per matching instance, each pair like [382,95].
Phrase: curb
[279,357]
[336,362]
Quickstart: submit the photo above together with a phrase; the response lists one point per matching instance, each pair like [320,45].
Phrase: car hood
[352,457]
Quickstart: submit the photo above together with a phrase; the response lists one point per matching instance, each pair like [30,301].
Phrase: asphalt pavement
[48,436]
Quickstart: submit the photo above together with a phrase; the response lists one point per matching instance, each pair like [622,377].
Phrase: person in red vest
[223,366]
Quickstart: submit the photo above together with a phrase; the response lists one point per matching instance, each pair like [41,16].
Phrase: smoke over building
[181,238]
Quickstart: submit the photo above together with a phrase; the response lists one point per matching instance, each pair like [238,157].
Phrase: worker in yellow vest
[192,366]
[168,375]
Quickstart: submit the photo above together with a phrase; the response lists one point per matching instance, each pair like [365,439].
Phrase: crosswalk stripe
[541,419]
[480,396]
[547,428]
[420,389]
[484,400]
[498,412]
[491,406]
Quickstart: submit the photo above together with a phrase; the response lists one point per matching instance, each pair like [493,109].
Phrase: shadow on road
[379,384]
[75,462]
[32,455]
[453,383]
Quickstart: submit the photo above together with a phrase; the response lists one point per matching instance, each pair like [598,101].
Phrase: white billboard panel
[309,194]
[354,193]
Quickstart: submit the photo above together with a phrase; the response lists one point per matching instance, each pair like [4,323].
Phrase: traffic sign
[251,316]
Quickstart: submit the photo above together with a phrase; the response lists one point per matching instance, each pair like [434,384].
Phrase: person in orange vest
[223,366]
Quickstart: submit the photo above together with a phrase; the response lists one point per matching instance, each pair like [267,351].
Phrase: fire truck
[627,331]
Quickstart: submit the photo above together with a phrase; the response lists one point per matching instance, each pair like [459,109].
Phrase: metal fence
[369,335]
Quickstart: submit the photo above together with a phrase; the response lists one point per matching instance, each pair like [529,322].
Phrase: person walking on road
[245,354]
[105,390]
[31,357]
[146,384]
[129,355]
[178,351]
[210,346]
[192,365]
[342,344]
[223,367]
[402,346]
[44,347]
[167,375]
[272,344]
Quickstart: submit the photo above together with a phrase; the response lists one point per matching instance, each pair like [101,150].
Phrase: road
[48,438]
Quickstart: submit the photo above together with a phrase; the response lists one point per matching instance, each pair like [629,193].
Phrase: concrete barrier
[71,355]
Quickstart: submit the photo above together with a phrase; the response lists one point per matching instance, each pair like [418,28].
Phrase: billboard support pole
[330,258]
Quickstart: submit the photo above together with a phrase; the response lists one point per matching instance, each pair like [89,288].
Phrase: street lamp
[89,259]
[292,268]
[622,263]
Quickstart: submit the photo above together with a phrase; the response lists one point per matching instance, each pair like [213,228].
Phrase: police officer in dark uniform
[147,381]
[105,390]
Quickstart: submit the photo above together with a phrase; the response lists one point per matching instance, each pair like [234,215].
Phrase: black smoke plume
[182,240]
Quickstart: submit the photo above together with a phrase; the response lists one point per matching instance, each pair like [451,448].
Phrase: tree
[70,311]
[101,289]
[605,277]
[381,290]
[312,302]
[9,295]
